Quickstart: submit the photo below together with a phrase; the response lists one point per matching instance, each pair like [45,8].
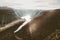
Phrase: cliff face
[38,29]
[41,26]
[7,15]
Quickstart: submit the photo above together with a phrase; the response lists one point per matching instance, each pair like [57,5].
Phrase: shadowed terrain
[40,28]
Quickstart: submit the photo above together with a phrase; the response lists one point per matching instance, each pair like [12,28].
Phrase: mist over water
[31,12]
[28,15]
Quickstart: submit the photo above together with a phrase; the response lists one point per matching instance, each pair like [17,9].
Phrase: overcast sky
[31,4]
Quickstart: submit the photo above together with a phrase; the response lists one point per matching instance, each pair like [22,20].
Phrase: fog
[31,4]
[24,12]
